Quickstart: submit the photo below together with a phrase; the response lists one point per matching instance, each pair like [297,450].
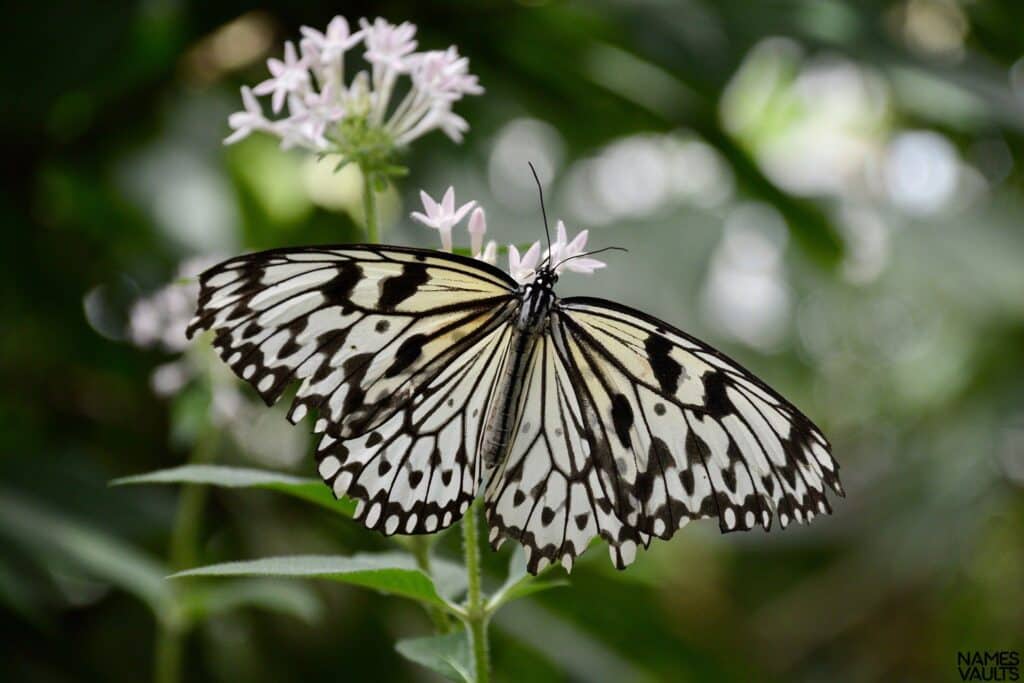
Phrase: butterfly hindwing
[419,471]
[699,435]
[552,493]
[381,341]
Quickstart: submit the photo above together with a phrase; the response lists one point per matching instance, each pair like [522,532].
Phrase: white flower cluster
[325,112]
[565,254]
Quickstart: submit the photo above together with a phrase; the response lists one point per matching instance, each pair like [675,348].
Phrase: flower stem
[476,619]
[420,547]
[173,627]
[370,208]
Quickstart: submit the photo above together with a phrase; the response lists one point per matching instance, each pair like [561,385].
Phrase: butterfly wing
[550,494]
[394,349]
[666,429]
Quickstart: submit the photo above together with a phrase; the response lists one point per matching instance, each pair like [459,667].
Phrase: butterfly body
[535,301]
[437,378]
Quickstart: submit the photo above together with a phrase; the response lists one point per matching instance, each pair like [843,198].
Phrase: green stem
[169,649]
[173,627]
[476,612]
[420,547]
[370,208]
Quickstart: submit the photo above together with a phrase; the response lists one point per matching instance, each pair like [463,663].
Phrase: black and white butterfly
[436,378]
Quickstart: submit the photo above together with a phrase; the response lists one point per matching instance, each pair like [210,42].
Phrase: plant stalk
[370,208]
[477,617]
[172,628]
[420,547]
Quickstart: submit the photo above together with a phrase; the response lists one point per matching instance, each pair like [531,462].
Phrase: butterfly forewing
[384,342]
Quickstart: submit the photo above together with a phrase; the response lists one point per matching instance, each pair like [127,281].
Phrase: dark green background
[914,371]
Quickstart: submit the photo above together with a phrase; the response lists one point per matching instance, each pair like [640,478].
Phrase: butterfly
[436,378]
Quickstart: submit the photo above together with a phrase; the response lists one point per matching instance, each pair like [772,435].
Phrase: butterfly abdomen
[504,414]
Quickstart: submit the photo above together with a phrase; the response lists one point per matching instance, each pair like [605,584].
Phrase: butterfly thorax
[536,300]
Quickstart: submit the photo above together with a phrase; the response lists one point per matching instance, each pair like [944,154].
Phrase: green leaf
[294,599]
[312,490]
[520,583]
[448,655]
[392,573]
[55,539]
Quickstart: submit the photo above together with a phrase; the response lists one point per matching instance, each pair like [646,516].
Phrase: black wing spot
[546,516]
[622,418]
[406,354]
[717,401]
[338,290]
[666,369]
[396,289]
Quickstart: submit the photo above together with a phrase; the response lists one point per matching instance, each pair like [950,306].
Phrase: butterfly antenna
[543,211]
[589,253]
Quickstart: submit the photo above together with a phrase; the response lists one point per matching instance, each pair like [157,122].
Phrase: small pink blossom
[522,269]
[442,216]
[331,45]
[243,123]
[387,44]
[563,249]
[287,77]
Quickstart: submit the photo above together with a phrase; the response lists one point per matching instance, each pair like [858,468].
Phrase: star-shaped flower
[387,44]
[333,43]
[288,76]
[245,122]
[563,250]
[442,216]
[522,269]
[444,75]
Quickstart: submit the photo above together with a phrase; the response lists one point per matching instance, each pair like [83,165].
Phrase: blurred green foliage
[831,191]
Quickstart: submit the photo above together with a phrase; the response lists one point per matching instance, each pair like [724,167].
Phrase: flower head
[358,119]
[442,216]
[564,254]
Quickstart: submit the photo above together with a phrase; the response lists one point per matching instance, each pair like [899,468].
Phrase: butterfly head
[545,278]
